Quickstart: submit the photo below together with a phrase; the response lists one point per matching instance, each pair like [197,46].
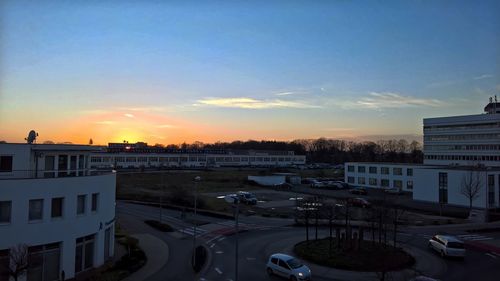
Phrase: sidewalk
[157,253]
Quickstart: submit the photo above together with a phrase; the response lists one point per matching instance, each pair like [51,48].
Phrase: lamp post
[196,180]
[234,199]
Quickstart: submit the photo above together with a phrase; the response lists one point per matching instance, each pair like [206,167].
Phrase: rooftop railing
[44,174]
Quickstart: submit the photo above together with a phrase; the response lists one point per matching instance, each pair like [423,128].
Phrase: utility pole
[196,180]
[236,243]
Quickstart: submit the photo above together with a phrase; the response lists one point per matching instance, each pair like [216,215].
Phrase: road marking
[219,252]
[211,246]
[250,259]
[218,270]
[212,239]
[222,238]
[479,238]
[490,255]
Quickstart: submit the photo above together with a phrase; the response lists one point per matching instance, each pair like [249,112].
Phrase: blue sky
[173,71]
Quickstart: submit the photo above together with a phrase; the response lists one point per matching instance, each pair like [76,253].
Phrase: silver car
[288,267]
[447,245]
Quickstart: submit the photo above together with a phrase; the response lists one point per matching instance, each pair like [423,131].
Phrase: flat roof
[56,147]
[388,163]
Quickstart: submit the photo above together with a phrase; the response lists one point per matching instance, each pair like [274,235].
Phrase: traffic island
[354,255]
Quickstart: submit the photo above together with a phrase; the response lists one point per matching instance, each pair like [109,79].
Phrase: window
[4,265]
[409,172]
[491,190]
[361,180]
[361,169]
[283,264]
[35,209]
[107,243]
[57,207]
[49,166]
[44,262]
[384,170]
[95,201]
[5,210]
[443,188]
[398,184]
[84,253]
[350,168]
[373,181]
[397,171]
[350,179]
[384,182]
[373,170]
[80,204]
[409,184]
[274,260]
[5,163]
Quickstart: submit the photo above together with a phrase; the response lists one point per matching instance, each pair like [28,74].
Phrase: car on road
[288,267]
[247,197]
[359,202]
[283,186]
[447,246]
[395,191]
[359,191]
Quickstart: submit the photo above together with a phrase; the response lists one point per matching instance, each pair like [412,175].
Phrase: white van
[447,246]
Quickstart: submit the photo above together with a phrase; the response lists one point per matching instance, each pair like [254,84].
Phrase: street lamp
[234,199]
[196,180]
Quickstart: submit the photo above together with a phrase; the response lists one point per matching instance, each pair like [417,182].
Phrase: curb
[208,262]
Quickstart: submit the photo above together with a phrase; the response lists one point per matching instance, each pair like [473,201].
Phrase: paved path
[157,253]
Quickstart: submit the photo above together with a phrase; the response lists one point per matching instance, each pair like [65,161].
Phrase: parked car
[288,267]
[447,246]
[341,184]
[359,191]
[423,278]
[247,198]
[359,202]
[285,186]
[396,191]
[318,184]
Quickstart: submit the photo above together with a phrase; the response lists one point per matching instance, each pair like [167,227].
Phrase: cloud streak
[484,76]
[252,103]
[394,100]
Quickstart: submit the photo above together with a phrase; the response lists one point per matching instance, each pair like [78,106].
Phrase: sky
[184,71]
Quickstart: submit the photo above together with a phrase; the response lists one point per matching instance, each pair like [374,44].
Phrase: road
[267,236]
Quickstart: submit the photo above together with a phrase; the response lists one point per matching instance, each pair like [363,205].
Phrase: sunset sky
[184,71]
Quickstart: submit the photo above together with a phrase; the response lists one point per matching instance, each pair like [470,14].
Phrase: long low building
[140,155]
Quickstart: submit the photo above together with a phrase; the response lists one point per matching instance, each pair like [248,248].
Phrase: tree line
[325,150]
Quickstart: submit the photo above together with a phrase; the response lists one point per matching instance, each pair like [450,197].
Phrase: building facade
[54,206]
[380,175]
[455,148]
[124,155]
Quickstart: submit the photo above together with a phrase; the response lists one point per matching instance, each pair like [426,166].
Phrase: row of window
[462,147]
[463,157]
[462,126]
[35,211]
[383,182]
[97,159]
[6,163]
[462,137]
[383,170]
[44,261]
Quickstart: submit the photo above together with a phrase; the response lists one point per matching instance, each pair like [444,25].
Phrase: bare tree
[18,256]
[471,185]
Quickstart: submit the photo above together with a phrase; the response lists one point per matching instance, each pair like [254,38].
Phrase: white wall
[65,229]
[427,187]
[379,176]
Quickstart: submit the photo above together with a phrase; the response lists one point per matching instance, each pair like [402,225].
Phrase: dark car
[359,191]
[359,202]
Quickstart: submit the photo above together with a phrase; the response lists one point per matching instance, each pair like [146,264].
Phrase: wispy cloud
[394,100]
[483,76]
[338,129]
[143,108]
[106,122]
[439,84]
[285,94]
[129,115]
[166,126]
[251,103]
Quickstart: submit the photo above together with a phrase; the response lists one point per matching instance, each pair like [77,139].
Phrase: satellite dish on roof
[31,137]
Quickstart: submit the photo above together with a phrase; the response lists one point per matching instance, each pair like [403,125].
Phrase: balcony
[44,174]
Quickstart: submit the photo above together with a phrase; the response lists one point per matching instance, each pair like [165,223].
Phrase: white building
[124,155]
[453,146]
[380,175]
[54,204]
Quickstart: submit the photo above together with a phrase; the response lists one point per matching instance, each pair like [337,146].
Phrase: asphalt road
[255,246]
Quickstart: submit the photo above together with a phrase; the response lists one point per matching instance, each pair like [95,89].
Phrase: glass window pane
[35,209]
[5,210]
[78,258]
[51,265]
[89,254]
